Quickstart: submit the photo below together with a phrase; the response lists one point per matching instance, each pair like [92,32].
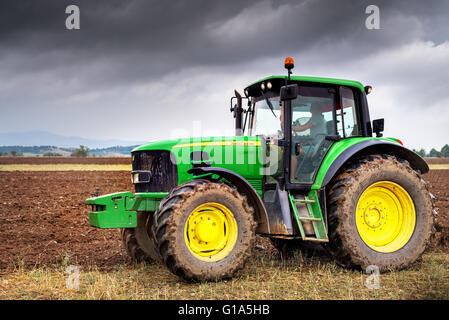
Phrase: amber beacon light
[289,63]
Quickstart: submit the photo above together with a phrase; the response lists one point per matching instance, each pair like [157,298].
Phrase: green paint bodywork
[316,213]
[336,149]
[110,211]
[119,210]
[228,152]
[316,216]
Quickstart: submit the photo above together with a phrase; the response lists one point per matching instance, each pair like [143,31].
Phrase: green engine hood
[240,154]
[199,142]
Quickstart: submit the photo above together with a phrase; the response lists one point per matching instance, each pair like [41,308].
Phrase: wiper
[269,104]
[246,117]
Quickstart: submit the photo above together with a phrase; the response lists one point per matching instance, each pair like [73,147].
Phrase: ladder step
[315,239]
[308,215]
[304,201]
[309,219]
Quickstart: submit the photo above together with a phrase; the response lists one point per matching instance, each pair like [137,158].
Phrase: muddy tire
[138,242]
[379,213]
[204,230]
[288,247]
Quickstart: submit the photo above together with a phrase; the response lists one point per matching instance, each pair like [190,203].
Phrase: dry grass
[105,167]
[264,277]
[65,167]
[439,166]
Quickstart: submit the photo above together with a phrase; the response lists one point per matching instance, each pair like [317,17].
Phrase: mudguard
[375,146]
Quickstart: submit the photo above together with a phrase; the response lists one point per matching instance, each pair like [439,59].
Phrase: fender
[372,147]
[243,186]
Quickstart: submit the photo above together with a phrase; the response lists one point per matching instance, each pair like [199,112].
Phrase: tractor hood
[200,142]
[240,154]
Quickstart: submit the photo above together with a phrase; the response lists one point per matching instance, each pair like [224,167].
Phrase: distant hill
[43,138]
[33,150]
[117,151]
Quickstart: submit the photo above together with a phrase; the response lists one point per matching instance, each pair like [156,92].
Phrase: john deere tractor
[303,167]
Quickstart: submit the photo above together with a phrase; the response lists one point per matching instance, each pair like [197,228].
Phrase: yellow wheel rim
[385,217]
[211,232]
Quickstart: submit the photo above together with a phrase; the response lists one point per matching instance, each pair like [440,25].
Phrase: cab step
[308,216]
[311,239]
[306,201]
[309,219]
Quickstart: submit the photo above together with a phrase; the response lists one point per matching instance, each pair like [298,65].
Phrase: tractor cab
[299,118]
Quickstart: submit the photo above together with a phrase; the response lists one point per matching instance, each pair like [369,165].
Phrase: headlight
[141,177]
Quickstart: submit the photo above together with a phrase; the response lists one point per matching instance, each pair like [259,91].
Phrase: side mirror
[378,127]
[289,92]
[237,110]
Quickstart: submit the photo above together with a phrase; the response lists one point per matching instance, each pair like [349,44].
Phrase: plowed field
[43,216]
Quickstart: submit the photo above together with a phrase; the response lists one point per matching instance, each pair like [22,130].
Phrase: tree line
[443,153]
[46,151]
[49,151]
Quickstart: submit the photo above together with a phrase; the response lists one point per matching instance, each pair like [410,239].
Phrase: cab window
[347,125]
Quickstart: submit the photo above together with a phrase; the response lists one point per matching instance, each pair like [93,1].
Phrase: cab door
[310,130]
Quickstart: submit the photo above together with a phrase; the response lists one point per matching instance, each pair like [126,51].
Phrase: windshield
[268,122]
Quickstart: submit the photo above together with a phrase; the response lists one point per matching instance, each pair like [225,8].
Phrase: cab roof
[344,82]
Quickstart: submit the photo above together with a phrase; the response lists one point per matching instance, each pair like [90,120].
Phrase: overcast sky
[149,70]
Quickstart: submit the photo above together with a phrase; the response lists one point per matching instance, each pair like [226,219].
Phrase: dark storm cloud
[135,37]
[132,41]
[150,57]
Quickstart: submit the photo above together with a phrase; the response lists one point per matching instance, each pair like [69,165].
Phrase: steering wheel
[300,122]
[318,145]
[310,155]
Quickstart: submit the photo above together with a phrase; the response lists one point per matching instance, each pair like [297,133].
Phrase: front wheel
[204,230]
[380,213]
[138,242]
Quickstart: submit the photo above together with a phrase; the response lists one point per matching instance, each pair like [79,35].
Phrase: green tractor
[303,168]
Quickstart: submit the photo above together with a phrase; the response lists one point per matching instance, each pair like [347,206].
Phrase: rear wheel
[380,213]
[205,230]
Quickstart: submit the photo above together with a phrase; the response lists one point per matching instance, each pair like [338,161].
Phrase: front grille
[164,174]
